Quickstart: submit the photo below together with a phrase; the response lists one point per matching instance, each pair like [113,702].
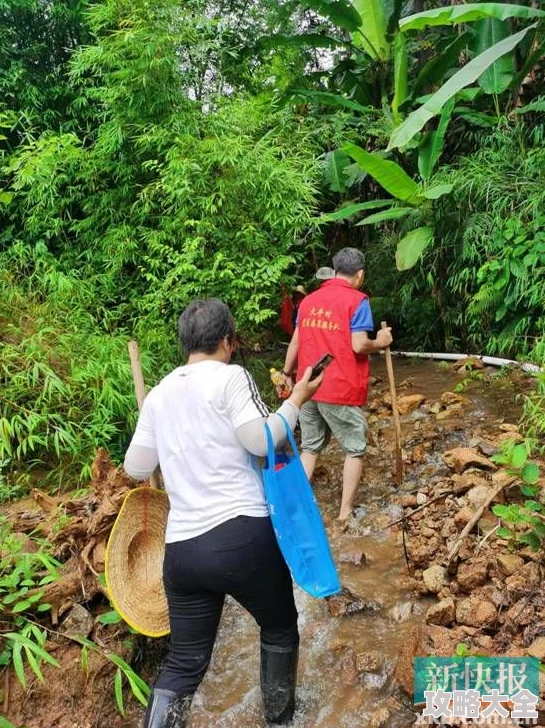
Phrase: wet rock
[411,647]
[420,551]
[78,623]
[521,614]
[461,458]
[434,578]
[409,402]
[451,411]
[450,398]
[468,364]
[435,408]
[380,718]
[406,501]
[442,614]
[347,667]
[502,477]
[372,661]
[357,558]
[418,455]
[99,556]
[472,574]
[509,563]
[463,516]
[484,642]
[467,480]
[347,603]
[475,612]
[537,648]
[485,446]
[525,580]
[401,612]
[508,427]
[479,494]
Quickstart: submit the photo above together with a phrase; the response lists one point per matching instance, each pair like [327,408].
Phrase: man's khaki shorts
[320,420]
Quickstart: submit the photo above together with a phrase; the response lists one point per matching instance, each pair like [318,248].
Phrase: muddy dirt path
[347,663]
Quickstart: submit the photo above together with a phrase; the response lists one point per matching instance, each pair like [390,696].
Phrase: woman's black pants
[241,558]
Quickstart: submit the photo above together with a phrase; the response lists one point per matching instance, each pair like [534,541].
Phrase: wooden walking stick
[398,472]
[140,390]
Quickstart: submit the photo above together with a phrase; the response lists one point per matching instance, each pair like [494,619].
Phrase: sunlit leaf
[410,248]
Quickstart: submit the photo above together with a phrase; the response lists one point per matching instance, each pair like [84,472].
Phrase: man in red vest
[336,319]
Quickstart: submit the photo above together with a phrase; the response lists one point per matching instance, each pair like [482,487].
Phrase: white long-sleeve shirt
[204,425]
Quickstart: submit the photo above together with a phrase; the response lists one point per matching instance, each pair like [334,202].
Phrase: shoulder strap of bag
[289,434]
[270,447]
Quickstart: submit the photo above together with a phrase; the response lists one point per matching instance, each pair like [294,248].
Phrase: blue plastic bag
[297,521]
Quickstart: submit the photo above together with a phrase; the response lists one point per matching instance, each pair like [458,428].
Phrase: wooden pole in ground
[140,390]
[398,472]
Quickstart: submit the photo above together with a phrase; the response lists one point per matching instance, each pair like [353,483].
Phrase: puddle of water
[328,693]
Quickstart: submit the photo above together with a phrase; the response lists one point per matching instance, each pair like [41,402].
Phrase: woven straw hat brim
[134,561]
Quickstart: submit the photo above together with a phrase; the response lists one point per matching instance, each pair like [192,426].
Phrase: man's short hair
[203,324]
[348,261]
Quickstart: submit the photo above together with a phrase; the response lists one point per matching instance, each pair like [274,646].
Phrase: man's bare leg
[309,460]
[353,468]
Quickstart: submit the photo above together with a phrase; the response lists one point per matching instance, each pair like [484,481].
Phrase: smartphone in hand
[320,365]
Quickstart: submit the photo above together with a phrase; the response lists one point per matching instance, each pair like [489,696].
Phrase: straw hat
[134,561]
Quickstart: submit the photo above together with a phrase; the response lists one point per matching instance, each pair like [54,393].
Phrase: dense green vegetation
[156,152]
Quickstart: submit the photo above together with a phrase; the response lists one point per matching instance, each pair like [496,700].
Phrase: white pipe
[488,360]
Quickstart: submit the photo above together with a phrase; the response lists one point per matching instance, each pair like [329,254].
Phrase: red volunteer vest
[324,327]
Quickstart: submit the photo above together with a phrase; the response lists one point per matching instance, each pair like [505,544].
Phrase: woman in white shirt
[204,425]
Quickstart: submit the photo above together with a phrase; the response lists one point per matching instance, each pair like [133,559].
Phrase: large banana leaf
[371,34]
[340,12]
[334,164]
[466,13]
[351,210]
[388,174]
[400,74]
[437,67]
[498,77]
[411,247]
[394,214]
[431,147]
[465,76]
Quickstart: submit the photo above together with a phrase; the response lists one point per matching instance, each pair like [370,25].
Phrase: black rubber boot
[167,709]
[278,680]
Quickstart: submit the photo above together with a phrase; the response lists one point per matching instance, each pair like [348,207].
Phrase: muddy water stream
[330,692]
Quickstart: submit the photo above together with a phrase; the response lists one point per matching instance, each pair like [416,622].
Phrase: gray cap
[325,273]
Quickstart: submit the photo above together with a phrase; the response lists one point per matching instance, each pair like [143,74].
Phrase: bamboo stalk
[398,472]
[140,391]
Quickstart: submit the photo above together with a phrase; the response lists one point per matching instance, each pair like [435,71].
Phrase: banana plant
[408,200]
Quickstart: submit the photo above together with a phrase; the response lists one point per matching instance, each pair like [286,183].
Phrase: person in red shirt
[336,319]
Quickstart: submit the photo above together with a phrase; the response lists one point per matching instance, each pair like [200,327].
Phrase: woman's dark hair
[348,261]
[203,324]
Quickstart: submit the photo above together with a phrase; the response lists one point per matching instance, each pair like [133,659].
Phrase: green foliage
[533,416]
[404,133]
[66,386]
[23,573]
[124,672]
[526,521]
